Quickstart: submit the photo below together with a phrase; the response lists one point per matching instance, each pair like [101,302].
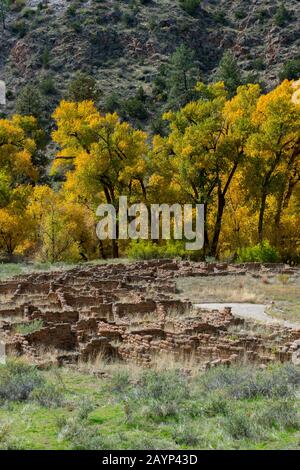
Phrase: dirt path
[249,311]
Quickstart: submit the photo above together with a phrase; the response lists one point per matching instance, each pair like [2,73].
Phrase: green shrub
[135,108]
[49,396]
[129,19]
[83,87]
[262,253]
[282,15]
[112,103]
[19,27]
[220,17]
[187,434]
[71,10]
[145,250]
[86,406]
[290,70]
[7,441]
[29,327]
[240,14]
[259,64]
[120,382]
[77,430]
[45,57]
[76,25]
[262,15]
[216,405]
[240,426]
[280,415]
[167,385]
[158,395]
[47,86]
[22,382]
[17,5]
[18,380]
[27,12]
[81,435]
[190,6]
[249,382]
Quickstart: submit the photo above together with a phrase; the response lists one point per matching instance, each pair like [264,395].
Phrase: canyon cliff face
[123,44]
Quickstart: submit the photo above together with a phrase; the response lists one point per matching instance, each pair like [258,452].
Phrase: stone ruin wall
[128,312]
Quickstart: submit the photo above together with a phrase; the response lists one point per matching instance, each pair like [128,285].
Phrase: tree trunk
[206,239]
[261,216]
[115,243]
[101,249]
[221,207]
[109,195]
[277,218]
[217,230]
[115,249]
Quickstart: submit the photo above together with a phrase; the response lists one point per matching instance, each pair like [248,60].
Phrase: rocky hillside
[124,43]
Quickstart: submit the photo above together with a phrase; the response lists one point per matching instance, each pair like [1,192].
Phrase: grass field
[172,406]
[281,293]
[8,270]
[129,408]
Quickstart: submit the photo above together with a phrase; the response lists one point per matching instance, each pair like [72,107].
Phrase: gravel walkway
[249,311]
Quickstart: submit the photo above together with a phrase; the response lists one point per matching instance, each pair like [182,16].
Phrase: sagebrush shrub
[157,395]
[187,434]
[49,396]
[249,382]
[81,436]
[18,380]
[282,414]
[241,426]
[21,382]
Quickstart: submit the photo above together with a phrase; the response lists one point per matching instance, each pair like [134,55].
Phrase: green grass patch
[29,327]
[226,408]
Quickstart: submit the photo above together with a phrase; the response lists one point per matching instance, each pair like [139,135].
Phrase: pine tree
[83,87]
[182,77]
[29,102]
[229,73]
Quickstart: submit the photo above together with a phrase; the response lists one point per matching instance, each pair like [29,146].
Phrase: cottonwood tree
[57,225]
[108,157]
[204,149]
[16,172]
[273,149]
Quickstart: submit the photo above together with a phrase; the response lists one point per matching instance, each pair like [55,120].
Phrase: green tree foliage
[229,73]
[190,6]
[262,253]
[291,70]
[83,87]
[30,102]
[182,77]
[4,7]
[282,15]
[239,156]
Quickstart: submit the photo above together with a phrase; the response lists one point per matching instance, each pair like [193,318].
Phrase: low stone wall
[128,311]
